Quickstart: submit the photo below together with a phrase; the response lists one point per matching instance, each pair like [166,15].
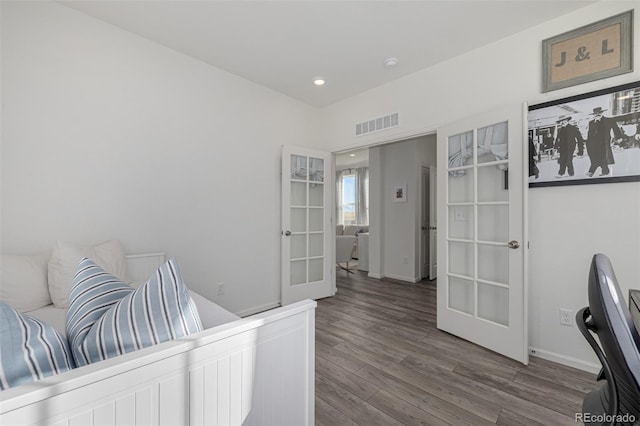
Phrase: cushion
[339,229]
[64,264]
[355,229]
[29,349]
[23,281]
[107,318]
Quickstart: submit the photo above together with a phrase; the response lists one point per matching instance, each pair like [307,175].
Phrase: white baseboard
[376,276]
[565,360]
[402,278]
[257,309]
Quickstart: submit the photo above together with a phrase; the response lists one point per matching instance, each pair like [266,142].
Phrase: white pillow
[64,261]
[23,281]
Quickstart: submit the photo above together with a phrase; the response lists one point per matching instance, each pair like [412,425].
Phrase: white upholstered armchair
[345,248]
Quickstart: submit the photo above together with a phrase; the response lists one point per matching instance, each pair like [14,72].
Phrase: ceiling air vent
[377,124]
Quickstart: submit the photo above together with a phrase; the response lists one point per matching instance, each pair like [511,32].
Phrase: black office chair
[618,400]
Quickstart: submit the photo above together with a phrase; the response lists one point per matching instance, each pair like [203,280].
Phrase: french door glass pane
[298,194]
[298,271]
[493,263]
[298,219]
[316,169]
[491,184]
[298,167]
[493,303]
[316,219]
[461,149]
[493,143]
[316,194]
[316,245]
[461,222]
[298,246]
[461,186]
[461,259]
[493,223]
[315,270]
[461,295]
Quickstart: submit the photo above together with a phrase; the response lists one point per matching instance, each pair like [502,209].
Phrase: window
[353,196]
[349,199]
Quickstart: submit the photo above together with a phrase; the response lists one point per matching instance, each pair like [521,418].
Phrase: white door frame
[425,207]
[433,223]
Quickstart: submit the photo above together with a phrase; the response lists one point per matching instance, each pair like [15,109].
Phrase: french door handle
[287,233]
[513,244]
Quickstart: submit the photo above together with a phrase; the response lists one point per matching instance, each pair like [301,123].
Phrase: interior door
[481,246]
[307,241]
[433,223]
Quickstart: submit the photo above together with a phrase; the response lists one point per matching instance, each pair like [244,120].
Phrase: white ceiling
[285,44]
[354,158]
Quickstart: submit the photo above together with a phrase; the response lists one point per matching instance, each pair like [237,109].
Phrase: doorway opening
[396,238]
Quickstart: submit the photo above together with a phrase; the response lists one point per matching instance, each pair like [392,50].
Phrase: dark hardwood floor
[380,360]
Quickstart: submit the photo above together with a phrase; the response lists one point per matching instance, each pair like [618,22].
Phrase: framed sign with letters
[599,50]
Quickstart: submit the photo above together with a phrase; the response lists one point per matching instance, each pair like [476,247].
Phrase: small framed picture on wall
[400,193]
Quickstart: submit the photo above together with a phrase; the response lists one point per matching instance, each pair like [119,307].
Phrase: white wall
[568,224]
[397,238]
[108,135]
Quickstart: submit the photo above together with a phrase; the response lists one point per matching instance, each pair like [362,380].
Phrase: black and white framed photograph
[400,193]
[585,139]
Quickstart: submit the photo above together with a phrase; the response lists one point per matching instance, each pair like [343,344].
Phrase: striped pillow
[29,349]
[107,318]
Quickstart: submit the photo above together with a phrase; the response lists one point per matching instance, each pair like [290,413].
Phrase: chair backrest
[344,247]
[618,336]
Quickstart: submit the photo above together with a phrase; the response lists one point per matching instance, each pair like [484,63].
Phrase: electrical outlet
[220,288]
[566,317]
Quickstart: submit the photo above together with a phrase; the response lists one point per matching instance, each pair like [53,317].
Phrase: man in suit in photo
[567,137]
[599,141]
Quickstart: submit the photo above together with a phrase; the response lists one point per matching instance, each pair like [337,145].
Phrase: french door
[307,248]
[481,240]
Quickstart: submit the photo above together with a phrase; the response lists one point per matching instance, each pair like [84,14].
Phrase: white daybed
[257,370]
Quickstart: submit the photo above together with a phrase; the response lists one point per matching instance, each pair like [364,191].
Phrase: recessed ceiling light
[390,62]
[319,81]
[352,155]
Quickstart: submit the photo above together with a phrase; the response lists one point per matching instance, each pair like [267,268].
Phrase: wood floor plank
[501,398]
[346,379]
[403,411]
[338,357]
[326,415]
[557,402]
[561,374]
[550,386]
[432,404]
[350,405]
[437,383]
[380,359]
[509,418]
[355,337]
